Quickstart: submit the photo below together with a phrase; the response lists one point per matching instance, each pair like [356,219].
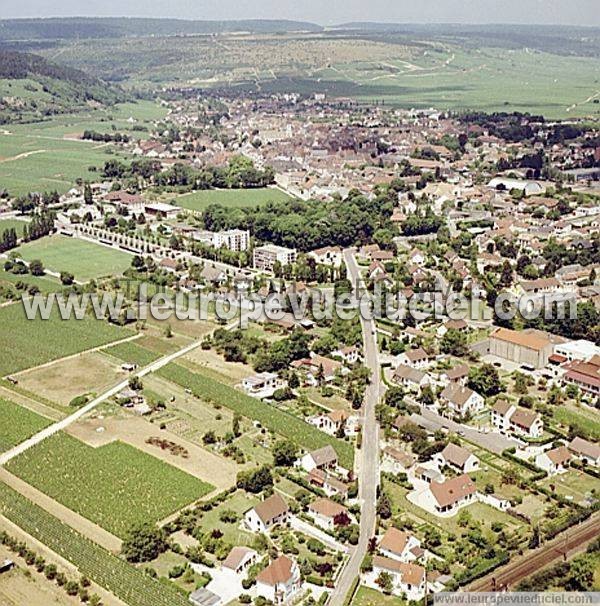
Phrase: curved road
[368,475]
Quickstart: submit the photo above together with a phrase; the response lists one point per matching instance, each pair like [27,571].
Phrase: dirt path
[108,599]
[23,155]
[76,521]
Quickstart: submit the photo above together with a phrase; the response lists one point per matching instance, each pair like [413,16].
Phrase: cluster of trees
[71,587]
[25,204]
[8,239]
[306,225]
[422,222]
[255,480]
[92,135]
[240,173]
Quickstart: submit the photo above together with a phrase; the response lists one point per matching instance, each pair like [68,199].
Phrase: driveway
[225,583]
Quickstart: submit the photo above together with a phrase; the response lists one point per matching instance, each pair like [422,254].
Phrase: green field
[133,353]
[35,342]
[17,424]
[85,260]
[15,224]
[132,586]
[234,198]
[115,485]
[278,421]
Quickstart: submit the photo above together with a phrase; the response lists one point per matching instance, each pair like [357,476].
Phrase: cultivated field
[17,424]
[35,342]
[272,418]
[232,198]
[115,485]
[85,260]
[132,353]
[130,585]
[90,373]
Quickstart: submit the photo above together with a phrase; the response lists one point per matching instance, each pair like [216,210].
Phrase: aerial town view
[299,302]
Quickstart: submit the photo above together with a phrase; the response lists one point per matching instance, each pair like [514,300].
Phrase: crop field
[18,424]
[132,353]
[233,198]
[132,586]
[114,486]
[85,260]
[35,342]
[272,418]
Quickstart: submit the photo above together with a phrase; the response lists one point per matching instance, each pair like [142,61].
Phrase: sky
[325,12]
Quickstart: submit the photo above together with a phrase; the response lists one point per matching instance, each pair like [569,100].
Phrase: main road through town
[368,474]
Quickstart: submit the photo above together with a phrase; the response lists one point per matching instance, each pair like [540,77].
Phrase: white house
[408,579]
[554,461]
[280,581]
[458,458]
[273,510]
[263,385]
[410,378]
[451,495]
[240,559]
[415,358]
[399,545]
[322,458]
[325,511]
[587,452]
[495,501]
[461,400]
[330,422]
[508,419]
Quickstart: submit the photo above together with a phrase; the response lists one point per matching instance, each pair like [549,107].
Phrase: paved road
[368,476]
[566,544]
[494,442]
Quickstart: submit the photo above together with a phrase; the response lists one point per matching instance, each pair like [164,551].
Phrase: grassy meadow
[233,198]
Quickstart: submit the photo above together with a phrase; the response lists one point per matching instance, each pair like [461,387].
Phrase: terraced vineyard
[272,418]
[127,583]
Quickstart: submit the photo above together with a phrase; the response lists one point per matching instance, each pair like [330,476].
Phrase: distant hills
[71,28]
[31,86]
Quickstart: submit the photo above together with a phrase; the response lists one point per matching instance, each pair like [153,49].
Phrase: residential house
[330,484]
[461,400]
[323,458]
[451,495]
[415,358]
[396,461]
[458,458]
[263,385]
[410,378]
[399,545]
[329,255]
[554,461]
[325,511]
[350,355]
[408,579]
[273,510]
[508,419]
[240,559]
[280,581]
[587,452]
[330,422]
[457,375]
